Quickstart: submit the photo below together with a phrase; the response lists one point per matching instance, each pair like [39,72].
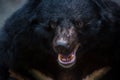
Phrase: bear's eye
[50,27]
[78,23]
[52,24]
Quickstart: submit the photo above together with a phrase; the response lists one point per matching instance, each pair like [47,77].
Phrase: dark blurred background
[7,7]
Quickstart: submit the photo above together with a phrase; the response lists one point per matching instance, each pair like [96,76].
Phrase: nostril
[61,47]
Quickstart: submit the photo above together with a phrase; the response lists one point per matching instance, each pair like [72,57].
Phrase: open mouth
[68,61]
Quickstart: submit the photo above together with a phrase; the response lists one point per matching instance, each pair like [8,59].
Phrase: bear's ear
[107,9]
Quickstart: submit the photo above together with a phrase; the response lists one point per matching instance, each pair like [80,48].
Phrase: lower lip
[67,65]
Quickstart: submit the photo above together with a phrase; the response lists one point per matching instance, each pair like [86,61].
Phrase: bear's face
[70,37]
[72,24]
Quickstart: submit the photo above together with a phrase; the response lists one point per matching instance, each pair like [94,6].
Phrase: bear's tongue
[66,59]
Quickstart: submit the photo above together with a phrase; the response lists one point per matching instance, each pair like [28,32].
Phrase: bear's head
[75,26]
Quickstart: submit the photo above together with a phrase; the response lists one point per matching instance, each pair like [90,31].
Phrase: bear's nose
[62,47]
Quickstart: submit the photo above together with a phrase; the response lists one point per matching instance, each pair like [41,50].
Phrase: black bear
[61,40]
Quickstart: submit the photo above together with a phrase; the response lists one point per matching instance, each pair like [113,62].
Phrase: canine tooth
[63,59]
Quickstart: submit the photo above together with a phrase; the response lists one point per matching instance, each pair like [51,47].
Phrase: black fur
[26,39]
